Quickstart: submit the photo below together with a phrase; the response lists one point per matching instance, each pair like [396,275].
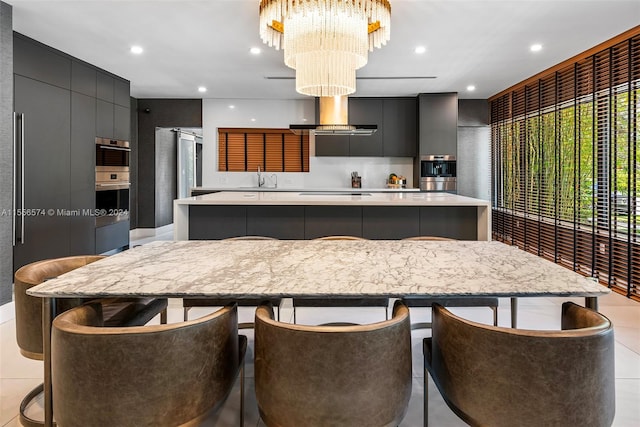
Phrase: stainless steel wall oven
[112,181]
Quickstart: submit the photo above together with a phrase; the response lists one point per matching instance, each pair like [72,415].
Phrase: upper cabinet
[395,137]
[113,118]
[438,123]
[400,127]
[366,111]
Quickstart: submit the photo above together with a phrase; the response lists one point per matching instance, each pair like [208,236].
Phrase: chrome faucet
[260,178]
[274,180]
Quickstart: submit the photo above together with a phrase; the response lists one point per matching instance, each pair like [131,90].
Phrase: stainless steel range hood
[334,120]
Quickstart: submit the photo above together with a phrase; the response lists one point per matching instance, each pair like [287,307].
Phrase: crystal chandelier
[325,41]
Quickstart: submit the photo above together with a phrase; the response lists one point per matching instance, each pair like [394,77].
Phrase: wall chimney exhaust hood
[334,115]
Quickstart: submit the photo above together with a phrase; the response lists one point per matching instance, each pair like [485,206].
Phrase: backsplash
[324,172]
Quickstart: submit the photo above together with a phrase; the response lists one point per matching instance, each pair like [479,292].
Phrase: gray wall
[6,152]
[474,149]
[153,113]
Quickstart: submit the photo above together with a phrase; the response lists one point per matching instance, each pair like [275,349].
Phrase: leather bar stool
[158,375]
[117,311]
[316,376]
[499,377]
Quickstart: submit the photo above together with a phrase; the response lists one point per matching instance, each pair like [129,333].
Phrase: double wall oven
[112,181]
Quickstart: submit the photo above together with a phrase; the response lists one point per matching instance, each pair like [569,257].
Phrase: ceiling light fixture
[471,88]
[420,49]
[255,50]
[231,107]
[325,41]
[536,47]
[202,89]
[137,50]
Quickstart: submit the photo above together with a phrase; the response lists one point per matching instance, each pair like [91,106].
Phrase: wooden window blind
[273,150]
[565,158]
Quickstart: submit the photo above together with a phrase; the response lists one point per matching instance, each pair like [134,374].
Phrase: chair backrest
[357,375]
[340,238]
[504,377]
[29,309]
[428,238]
[250,238]
[143,375]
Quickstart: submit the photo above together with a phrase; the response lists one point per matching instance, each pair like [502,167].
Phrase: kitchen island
[311,214]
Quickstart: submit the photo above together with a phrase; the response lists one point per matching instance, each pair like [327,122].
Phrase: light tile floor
[18,375]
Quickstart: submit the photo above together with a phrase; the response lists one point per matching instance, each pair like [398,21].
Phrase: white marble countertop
[300,190]
[297,268]
[356,197]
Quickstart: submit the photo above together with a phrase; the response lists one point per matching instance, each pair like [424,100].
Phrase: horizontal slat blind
[273,150]
[564,166]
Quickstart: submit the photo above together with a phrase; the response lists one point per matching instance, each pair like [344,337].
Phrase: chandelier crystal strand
[325,41]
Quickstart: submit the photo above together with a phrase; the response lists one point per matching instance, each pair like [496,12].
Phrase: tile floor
[18,375]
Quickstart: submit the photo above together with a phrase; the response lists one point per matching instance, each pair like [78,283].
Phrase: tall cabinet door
[45,155]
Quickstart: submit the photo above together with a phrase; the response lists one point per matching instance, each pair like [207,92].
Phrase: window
[566,158]
[273,150]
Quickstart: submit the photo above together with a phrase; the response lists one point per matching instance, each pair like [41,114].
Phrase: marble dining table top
[298,268]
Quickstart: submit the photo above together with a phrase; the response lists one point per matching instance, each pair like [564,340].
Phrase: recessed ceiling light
[137,50]
[253,120]
[420,49]
[536,47]
[255,50]
[232,107]
[471,88]
[202,89]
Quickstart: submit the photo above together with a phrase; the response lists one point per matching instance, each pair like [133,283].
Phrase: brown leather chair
[118,311]
[357,375]
[342,301]
[492,376]
[160,375]
[490,302]
[187,303]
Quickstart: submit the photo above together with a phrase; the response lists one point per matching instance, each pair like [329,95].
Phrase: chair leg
[426,395]
[24,419]
[495,316]
[186,314]
[242,394]
[294,313]
[163,317]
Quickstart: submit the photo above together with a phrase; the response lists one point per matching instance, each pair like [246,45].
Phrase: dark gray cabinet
[83,79]
[40,63]
[46,158]
[438,123]
[337,145]
[104,119]
[121,122]
[212,222]
[105,89]
[399,116]
[63,101]
[366,111]
[321,221]
[280,222]
[82,182]
[113,119]
[395,137]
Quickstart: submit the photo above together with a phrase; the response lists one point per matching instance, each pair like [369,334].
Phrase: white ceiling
[192,43]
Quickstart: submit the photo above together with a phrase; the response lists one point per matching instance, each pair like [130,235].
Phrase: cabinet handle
[22,176]
[15,175]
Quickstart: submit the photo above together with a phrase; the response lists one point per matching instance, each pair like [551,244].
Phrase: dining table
[237,269]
